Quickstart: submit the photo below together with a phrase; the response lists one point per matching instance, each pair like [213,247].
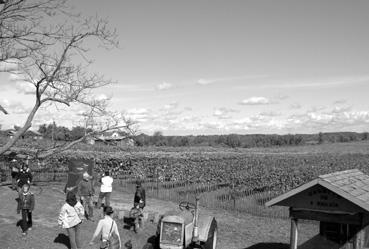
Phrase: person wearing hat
[85,192]
[108,229]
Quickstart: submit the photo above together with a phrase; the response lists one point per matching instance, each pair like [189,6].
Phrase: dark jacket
[24,176]
[26,201]
[85,188]
[140,195]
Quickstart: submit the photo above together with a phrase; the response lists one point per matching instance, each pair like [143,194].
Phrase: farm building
[114,138]
[339,201]
[29,134]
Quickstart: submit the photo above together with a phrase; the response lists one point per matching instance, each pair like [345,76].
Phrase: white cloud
[164,86]
[25,88]
[101,97]
[14,107]
[255,101]
[223,112]
[138,114]
[270,114]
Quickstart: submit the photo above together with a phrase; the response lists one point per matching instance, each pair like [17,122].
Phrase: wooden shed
[339,201]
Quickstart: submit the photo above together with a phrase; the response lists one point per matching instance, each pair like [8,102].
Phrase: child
[26,204]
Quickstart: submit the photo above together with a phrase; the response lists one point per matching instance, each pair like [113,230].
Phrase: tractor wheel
[211,242]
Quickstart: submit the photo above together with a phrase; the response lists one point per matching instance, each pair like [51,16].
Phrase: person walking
[139,202]
[24,176]
[70,218]
[86,191]
[105,189]
[108,229]
[140,196]
[26,205]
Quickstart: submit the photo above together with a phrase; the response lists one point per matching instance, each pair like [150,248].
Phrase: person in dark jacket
[14,169]
[26,205]
[24,176]
[85,191]
[140,196]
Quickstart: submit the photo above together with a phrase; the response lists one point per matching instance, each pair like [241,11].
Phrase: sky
[220,67]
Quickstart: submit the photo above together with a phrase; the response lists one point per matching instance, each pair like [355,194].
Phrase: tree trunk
[21,131]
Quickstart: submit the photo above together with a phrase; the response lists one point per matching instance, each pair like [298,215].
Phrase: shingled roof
[353,185]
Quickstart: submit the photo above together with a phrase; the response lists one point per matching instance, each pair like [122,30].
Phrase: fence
[214,196]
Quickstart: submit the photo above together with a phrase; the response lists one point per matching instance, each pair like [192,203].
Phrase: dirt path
[235,231]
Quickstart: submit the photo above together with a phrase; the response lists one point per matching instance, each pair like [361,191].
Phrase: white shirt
[106,184]
[107,227]
[70,216]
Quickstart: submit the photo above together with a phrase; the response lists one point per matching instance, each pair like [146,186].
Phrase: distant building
[113,138]
[29,134]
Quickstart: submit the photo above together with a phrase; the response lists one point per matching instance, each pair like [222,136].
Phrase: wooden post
[157,182]
[294,233]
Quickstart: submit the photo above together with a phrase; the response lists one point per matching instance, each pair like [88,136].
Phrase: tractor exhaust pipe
[195,237]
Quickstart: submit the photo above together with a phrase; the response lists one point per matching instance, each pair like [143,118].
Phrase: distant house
[113,138]
[33,134]
[29,134]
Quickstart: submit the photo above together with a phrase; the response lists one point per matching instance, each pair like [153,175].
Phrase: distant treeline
[249,141]
[60,133]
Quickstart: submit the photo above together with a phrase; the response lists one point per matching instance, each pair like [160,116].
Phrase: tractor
[186,229]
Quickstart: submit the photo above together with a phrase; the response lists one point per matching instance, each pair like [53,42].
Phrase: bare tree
[22,26]
[53,59]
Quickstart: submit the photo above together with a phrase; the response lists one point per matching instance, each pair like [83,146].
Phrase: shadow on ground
[19,223]
[269,246]
[62,239]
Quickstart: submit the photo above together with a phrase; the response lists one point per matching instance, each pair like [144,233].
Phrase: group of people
[79,206]
[71,216]
[20,173]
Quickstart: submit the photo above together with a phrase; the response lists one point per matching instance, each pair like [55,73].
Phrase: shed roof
[353,185]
